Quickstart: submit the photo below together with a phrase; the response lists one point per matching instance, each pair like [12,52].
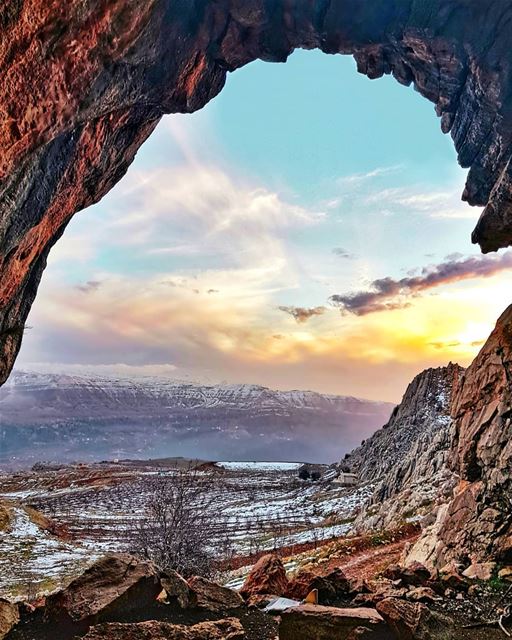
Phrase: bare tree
[182,526]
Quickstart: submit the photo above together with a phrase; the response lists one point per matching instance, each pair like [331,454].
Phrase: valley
[67,418]
[96,508]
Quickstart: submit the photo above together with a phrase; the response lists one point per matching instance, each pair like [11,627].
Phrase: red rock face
[478,523]
[84,82]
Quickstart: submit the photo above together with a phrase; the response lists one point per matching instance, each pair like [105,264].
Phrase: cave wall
[84,83]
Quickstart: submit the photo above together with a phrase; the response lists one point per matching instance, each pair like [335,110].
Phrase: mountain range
[48,416]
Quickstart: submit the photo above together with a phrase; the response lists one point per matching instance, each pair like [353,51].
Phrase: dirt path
[366,564]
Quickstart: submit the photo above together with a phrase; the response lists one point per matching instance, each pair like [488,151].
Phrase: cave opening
[220,255]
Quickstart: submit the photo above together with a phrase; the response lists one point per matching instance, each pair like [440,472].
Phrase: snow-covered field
[263,506]
[259,466]
[32,560]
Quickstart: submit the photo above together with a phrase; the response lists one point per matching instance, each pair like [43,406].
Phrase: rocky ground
[357,591]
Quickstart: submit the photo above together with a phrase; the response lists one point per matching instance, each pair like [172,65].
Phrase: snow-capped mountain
[57,416]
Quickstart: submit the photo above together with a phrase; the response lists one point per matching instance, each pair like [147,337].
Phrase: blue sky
[297,183]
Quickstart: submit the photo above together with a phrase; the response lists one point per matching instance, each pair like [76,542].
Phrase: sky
[303,230]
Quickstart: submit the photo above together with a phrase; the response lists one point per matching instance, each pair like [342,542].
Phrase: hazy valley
[65,418]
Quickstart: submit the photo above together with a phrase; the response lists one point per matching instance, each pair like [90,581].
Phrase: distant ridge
[62,417]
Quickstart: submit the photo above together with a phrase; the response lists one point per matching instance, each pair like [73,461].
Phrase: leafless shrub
[182,526]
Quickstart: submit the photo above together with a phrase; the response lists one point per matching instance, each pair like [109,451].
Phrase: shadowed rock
[229,629]
[114,586]
[315,622]
[212,596]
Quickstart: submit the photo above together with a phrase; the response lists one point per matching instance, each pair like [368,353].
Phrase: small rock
[260,601]
[505,573]
[422,594]
[415,574]
[361,633]
[450,577]
[480,571]
[214,597]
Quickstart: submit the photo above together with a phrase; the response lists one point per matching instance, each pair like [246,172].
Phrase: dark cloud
[90,285]
[387,293]
[343,253]
[303,314]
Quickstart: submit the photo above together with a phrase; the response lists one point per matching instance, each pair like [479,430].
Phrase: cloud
[386,294]
[343,253]
[434,204]
[357,178]
[303,314]
[89,286]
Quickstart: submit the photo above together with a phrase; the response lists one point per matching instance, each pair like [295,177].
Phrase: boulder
[228,629]
[480,571]
[214,597]
[113,586]
[410,621]
[177,588]
[330,586]
[267,576]
[316,622]
[9,617]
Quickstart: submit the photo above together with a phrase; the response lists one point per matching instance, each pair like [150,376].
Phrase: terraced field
[261,506]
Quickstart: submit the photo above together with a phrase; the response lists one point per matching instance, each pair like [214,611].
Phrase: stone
[228,629]
[422,594]
[415,574]
[79,119]
[480,571]
[267,576]
[410,621]
[505,574]
[316,622]
[214,597]
[450,578]
[260,601]
[330,585]
[177,587]
[9,617]
[114,585]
